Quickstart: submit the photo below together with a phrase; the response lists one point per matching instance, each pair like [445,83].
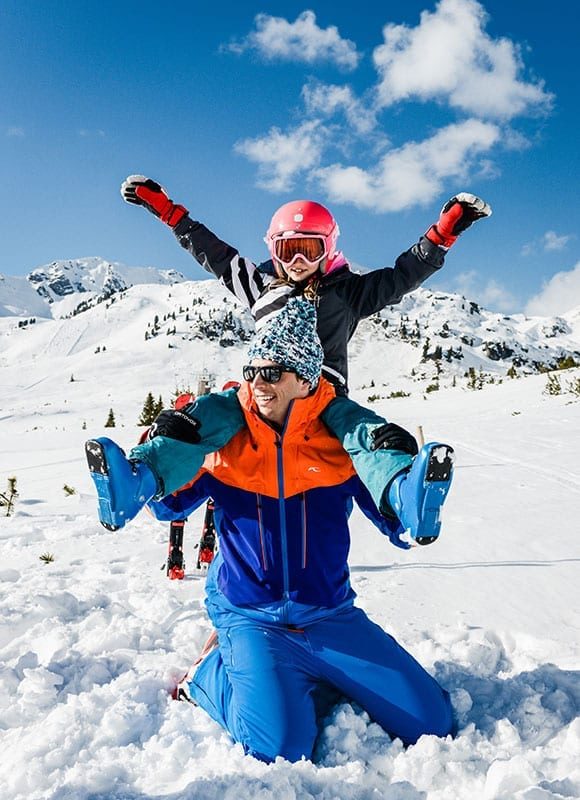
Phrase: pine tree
[7,498]
[472,378]
[553,385]
[110,423]
[158,407]
[566,362]
[148,413]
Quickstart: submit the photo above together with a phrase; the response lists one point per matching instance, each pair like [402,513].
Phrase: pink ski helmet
[303,219]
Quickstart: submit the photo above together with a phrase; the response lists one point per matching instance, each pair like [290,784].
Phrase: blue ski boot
[417,495]
[123,486]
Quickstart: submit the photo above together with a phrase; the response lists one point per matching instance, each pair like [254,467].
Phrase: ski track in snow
[91,643]
[571,480]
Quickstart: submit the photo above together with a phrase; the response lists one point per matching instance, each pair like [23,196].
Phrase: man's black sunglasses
[271,374]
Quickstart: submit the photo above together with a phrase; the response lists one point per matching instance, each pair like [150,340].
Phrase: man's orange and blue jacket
[282,503]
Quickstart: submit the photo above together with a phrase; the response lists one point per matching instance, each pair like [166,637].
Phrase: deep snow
[90,643]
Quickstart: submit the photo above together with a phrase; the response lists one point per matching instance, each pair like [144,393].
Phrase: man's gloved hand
[175,425]
[392,437]
[142,191]
[456,216]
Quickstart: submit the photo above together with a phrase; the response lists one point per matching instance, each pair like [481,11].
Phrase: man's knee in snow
[284,741]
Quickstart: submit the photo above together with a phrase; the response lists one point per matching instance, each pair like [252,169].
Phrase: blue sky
[379,110]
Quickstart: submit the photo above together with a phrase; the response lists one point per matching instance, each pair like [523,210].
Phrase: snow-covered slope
[90,643]
[19,299]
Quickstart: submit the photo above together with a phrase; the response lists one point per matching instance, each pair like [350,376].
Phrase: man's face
[273,399]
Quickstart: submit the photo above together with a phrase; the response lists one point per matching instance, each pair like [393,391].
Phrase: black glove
[142,191]
[392,437]
[176,425]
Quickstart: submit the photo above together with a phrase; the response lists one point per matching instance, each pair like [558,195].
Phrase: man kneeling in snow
[289,639]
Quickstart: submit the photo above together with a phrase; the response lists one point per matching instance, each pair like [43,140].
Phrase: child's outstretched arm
[239,275]
[369,293]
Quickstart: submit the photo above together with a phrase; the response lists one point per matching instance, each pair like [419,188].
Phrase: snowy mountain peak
[61,279]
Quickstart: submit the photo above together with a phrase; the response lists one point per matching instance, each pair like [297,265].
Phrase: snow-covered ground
[90,643]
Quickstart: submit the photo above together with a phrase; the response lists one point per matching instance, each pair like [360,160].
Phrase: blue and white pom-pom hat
[290,339]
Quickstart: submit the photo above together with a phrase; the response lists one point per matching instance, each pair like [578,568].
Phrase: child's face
[300,270]
[299,256]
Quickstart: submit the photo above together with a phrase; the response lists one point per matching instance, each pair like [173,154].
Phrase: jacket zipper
[261,531]
[282,509]
[304,531]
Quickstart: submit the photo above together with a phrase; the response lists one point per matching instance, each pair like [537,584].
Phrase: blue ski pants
[267,685]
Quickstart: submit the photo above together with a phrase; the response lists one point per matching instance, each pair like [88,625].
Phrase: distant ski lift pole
[420,436]
[205,382]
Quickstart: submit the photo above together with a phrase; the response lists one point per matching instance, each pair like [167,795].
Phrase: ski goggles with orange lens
[311,249]
[269,374]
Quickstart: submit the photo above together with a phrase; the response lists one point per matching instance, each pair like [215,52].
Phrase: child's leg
[173,462]
[416,496]
[353,426]
[123,487]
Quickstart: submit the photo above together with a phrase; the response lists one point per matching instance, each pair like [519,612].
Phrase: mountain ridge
[430,340]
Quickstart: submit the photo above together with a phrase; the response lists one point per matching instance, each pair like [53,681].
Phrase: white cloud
[553,242]
[15,132]
[87,132]
[413,174]
[302,40]
[496,297]
[558,295]
[282,156]
[449,57]
[488,169]
[550,242]
[491,294]
[515,140]
[330,99]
